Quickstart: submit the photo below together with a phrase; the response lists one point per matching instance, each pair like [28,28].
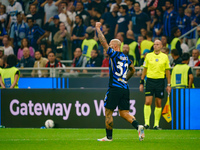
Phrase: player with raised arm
[120,71]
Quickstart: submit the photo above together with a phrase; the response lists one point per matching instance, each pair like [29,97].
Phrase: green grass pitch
[86,139]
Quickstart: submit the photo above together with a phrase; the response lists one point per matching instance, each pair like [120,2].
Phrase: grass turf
[86,139]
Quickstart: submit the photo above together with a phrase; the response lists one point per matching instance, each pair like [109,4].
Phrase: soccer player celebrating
[156,65]
[121,70]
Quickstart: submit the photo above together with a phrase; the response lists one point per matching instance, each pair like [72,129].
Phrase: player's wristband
[142,82]
[168,84]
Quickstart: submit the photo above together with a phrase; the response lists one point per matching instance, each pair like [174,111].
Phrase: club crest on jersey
[157,59]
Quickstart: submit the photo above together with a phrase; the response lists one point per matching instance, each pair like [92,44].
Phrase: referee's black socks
[109,134]
[135,124]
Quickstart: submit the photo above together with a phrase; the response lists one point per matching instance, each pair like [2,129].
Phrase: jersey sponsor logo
[123,58]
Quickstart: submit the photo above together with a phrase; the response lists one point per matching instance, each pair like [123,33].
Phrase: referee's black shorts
[117,97]
[155,86]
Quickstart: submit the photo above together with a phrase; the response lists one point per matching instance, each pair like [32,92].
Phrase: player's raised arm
[101,37]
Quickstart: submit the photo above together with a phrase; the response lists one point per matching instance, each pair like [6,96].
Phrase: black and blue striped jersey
[118,68]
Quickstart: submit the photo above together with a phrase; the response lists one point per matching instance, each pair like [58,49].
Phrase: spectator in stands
[151,7]
[96,13]
[89,43]
[52,61]
[12,11]
[48,50]
[175,41]
[195,20]
[157,23]
[43,47]
[79,60]
[133,45]
[123,20]
[83,13]
[147,44]
[25,43]
[143,32]
[175,55]
[26,60]
[139,40]
[8,50]
[78,33]
[195,58]
[10,75]
[169,18]
[139,20]
[93,21]
[121,36]
[52,28]
[3,15]
[50,10]
[35,14]
[105,63]
[164,41]
[34,34]
[126,49]
[198,41]
[130,4]
[66,17]
[184,47]
[166,51]
[111,18]
[180,3]
[106,32]
[97,4]
[94,61]
[1,51]
[61,40]
[183,22]
[145,52]
[3,32]
[18,32]
[40,62]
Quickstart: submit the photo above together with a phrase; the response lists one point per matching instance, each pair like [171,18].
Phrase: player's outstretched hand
[98,25]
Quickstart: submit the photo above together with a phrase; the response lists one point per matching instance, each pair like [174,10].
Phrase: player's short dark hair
[185,56]
[175,52]
[12,60]
[150,34]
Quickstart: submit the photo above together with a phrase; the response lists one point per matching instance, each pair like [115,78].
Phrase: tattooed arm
[101,37]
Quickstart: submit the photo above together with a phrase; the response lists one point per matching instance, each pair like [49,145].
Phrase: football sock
[157,114]
[135,124]
[147,114]
[109,133]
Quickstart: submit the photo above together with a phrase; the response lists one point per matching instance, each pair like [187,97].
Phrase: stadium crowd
[43,32]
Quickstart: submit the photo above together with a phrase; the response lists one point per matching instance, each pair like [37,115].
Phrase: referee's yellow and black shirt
[156,65]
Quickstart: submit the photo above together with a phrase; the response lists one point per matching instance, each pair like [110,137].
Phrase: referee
[156,65]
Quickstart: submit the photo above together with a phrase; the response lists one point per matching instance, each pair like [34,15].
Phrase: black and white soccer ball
[49,123]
